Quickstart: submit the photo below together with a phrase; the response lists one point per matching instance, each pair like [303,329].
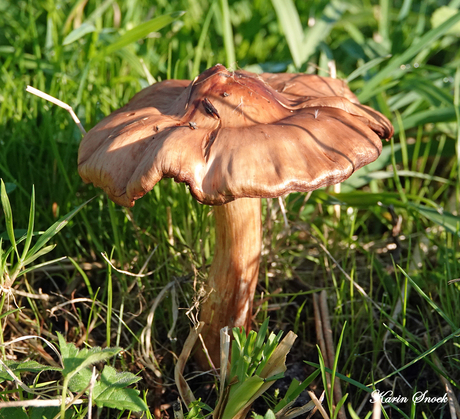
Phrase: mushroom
[233,138]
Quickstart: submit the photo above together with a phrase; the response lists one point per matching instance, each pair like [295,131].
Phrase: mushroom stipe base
[233,273]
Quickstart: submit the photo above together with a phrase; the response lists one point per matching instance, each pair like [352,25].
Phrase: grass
[396,238]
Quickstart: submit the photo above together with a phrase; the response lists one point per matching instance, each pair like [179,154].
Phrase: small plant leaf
[111,391]
[79,382]
[13,413]
[76,360]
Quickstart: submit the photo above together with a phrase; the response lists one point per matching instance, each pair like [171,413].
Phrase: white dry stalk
[139,275]
[73,301]
[39,403]
[90,392]
[454,406]
[377,406]
[57,102]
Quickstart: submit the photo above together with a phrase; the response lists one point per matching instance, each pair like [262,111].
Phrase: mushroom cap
[230,135]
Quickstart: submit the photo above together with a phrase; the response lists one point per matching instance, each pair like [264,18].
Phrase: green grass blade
[99,11]
[53,230]
[40,265]
[201,41]
[30,227]
[457,114]
[334,368]
[323,26]
[444,114]
[84,276]
[141,31]
[361,70]
[295,389]
[80,32]
[357,384]
[40,252]
[8,216]
[228,34]
[421,356]
[424,42]
[443,218]
[384,22]
[435,307]
[289,20]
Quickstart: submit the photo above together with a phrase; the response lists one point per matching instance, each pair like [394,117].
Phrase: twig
[57,102]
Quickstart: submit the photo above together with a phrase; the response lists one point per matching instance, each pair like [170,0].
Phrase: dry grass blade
[146,335]
[51,346]
[318,404]
[277,362]
[139,275]
[184,389]
[224,358]
[324,333]
[57,102]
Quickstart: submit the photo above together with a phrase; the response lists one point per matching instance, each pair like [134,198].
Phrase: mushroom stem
[234,270]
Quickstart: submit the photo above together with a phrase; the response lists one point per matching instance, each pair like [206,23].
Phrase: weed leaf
[111,391]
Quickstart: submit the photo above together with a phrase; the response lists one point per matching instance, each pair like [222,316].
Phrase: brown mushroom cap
[233,134]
